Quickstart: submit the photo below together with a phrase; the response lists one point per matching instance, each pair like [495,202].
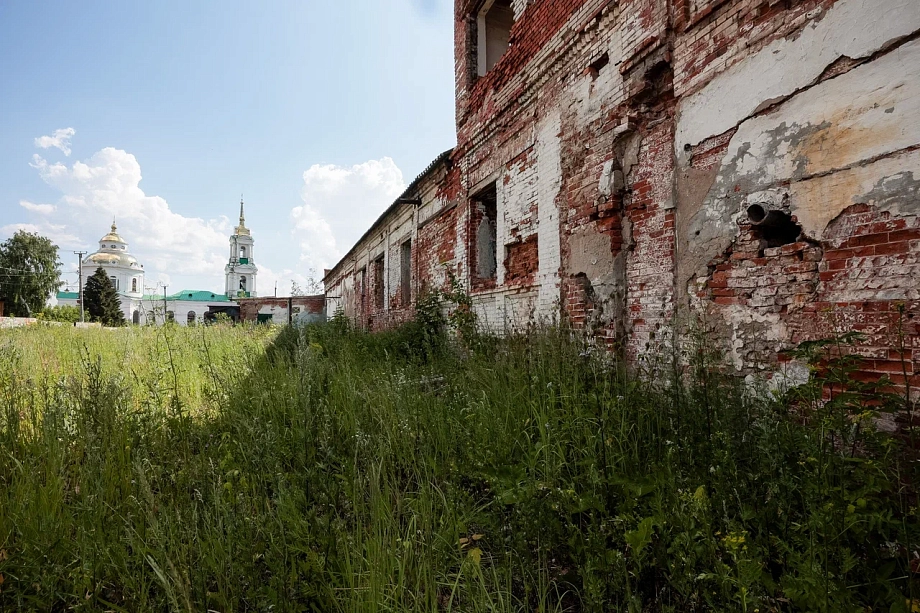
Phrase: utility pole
[276,289]
[164,304]
[80,255]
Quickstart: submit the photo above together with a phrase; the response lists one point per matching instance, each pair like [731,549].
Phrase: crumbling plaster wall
[521,126]
[823,124]
[671,117]
[627,139]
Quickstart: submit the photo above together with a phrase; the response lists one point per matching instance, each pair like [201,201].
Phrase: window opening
[114,282]
[170,316]
[190,318]
[136,318]
[378,282]
[243,284]
[134,286]
[486,209]
[594,69]
[362,291]
[494,33]
[405,273]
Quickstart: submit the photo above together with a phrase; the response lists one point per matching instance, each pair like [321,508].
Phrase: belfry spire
[241,269]
[241,229]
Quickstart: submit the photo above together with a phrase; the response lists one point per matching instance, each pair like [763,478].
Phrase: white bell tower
[241,270]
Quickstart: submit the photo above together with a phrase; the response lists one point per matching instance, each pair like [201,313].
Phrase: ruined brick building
[621,164]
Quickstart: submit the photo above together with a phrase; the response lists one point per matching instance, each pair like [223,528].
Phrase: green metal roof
[188,295]
[198,296]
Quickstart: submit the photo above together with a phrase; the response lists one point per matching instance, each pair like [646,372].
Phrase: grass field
[236,469]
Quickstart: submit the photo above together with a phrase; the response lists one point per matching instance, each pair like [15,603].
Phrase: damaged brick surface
[754,164]
[282,309]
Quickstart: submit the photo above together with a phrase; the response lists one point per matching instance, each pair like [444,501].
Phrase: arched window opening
[191,318]
[170,316]
[243,251]
[136,318]
[134,286]
[243,284]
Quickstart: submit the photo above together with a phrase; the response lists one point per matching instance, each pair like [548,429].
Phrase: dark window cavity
[485,205]
[405,273]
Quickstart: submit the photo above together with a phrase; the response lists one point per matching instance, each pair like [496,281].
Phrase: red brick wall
[820,289]
[620,181]
[650,265]
[521,262]
[250,307]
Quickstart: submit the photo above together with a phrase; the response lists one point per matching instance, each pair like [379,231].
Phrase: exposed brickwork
[277,308]
[521,262]
[821,289]
[650,265]
[627,142]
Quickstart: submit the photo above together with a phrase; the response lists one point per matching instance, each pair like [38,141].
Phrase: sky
[161,115]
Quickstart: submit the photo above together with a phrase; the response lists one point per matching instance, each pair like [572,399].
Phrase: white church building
[185,307]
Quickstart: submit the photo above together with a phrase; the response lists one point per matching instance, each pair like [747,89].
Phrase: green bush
[62,313]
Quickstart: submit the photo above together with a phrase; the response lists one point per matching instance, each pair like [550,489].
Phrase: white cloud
[107,187]
[339,205]
[60,139]
[41,209]
[57,233]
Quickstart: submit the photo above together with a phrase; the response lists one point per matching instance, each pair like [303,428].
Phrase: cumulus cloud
[60,139]
[339,204]
[107,187]
[41,209]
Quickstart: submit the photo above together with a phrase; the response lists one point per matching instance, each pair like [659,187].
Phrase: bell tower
[241,270]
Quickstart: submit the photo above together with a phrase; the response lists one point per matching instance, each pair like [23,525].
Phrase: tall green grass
[189,470]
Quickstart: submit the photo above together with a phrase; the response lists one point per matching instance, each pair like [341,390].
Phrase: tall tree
[29,273]
[101,301]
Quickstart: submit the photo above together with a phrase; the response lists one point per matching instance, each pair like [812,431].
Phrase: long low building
[187,307]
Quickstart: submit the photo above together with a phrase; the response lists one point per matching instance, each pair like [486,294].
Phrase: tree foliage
[29,273]
[311,286]
[65,313]
[100,300]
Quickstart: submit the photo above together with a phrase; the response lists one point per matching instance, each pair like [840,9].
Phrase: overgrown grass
[189,470]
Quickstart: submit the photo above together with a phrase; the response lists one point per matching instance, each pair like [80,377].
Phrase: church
[186,307]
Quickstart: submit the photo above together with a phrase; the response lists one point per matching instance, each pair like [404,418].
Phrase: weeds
[195,469]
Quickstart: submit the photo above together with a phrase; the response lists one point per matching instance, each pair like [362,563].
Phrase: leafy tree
[101,301]
[67,314]
[29,273]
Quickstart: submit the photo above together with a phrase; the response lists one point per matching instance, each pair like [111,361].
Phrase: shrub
[63,313]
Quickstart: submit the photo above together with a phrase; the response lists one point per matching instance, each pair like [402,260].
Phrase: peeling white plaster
[864,115]
[817,201]
[851,28]
[792,374]
[549,181]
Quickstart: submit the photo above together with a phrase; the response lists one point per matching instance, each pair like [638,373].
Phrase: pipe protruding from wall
[762,216]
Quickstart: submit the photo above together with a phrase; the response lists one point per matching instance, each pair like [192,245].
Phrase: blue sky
[162,113]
